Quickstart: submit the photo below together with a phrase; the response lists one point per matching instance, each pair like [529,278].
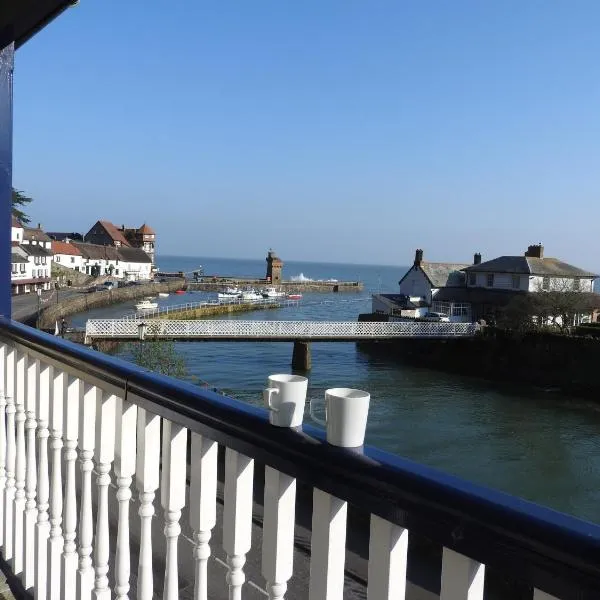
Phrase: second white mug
[285,398]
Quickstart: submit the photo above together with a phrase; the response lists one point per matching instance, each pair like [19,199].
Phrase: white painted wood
[237,518]
[68,578]
[203,506]
[30,513]
[125,459]
[56,540]
[11,453]
[328,547]
[147,479]
[20,464]
[278,531]
[172,487]
[89,396]
[3,350]
[462,577]
[105,454]
[42,526]
[539,595]
[388,553]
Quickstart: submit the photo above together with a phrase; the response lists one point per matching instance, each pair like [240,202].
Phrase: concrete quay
[219,284]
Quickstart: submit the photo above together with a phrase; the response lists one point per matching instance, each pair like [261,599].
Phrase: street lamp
[142,328]
[39,295]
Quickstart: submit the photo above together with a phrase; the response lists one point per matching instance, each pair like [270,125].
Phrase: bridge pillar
[301,357]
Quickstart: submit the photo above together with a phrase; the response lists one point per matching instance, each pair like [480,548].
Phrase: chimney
[535,251]
[477,258]
[39,225]
[418,258]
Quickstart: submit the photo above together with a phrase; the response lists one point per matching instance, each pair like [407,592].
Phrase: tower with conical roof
[274,267]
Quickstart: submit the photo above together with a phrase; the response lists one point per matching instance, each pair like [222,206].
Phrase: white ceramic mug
[346,413]
[285,398]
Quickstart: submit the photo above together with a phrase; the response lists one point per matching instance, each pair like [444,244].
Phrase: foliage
[19,202]
[159,356]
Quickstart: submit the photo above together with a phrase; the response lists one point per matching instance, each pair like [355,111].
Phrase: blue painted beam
[6,131]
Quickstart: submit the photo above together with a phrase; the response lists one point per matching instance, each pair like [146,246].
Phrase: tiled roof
[97,252]
[526,265]
[35,250]
[134,255]
[64,248]
[146,230]
[114,233]
[444,274]
[17,258]
[33,233]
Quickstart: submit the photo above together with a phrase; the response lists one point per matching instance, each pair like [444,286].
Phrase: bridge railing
[128,328]
[62,404]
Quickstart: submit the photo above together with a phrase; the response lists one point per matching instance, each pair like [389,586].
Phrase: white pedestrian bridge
[238,330]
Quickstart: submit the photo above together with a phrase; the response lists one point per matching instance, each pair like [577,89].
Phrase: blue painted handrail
[542,547]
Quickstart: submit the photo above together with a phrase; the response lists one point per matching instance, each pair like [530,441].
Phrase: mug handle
[318,420]
[267,393]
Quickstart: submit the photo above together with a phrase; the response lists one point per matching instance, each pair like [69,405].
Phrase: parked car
[109,285]
[437,316]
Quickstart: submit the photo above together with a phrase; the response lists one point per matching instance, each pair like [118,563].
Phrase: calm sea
[539,445]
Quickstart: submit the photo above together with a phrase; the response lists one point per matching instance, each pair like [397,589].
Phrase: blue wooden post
[6,129]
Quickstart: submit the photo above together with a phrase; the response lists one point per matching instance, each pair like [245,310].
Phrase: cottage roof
[96,252]
[444,274]
[64,248]
[114,233]
[527,265]
[146,230]
[34,233]
[17,258]
[134,255]
[35,250]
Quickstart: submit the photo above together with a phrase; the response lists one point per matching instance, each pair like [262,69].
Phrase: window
[17,236]
[576,285]
[14,268]
[22,268]
[72,259]
[57,258]
[516,282]
[472,278]
[43,260]
[461,309]
[546,283]
[490,280]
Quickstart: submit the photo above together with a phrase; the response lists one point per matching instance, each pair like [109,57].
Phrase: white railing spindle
[105,454]
[388,553]
[3,350]
[462,577]
[89,396]
[11,453]
[328,547]
[56,540]
[20,464]
[42,526]
[539,595]
[172,487]
[30,512]
[237,518]
[278,531]
[203,506]
[125,458]
[147,479]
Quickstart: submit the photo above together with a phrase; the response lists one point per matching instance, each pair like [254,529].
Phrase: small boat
[146,304]
[251,296]
[271,292]
[163,295]
[294,296]
[180,292]
[230,293]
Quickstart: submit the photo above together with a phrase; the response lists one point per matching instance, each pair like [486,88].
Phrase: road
[25,307]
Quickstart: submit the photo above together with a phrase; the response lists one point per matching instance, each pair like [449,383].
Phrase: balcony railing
[79,429]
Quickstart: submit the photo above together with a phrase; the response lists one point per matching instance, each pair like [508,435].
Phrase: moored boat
[146,304]
[294,296]
[251,296]
[163,295]
[271,292]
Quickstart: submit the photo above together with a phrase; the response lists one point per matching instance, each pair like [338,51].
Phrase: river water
[539,445]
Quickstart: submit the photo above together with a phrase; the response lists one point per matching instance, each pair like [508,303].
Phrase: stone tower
[274,268]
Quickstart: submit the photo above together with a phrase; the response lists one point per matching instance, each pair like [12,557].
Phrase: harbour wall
[84,302]
[188,314]
[218,285]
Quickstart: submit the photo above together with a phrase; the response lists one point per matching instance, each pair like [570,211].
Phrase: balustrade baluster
[173,480]
[2,437]
[328,547]
[462,577]
[147,478]
[42,526]
[11,452]
[539,595]
[126,425]
[388,551]
[30,512]
[55,540]
[237,517]
[89,396]
[278,531]
[68,577]
[203,507]
[105,454]
[20,464]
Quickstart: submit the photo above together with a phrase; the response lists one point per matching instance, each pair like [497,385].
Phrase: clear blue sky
[344,130]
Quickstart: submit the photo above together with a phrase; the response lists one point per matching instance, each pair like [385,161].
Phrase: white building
[120,262]
[31,259]
[68,255]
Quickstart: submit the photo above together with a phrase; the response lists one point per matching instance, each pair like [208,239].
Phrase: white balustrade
[11,453]
[462,577]
[2,437]
[20,464]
